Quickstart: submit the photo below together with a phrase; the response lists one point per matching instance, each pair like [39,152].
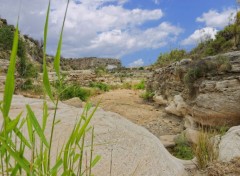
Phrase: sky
[134,31]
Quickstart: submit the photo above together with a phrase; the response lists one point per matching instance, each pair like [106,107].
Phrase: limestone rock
[75,102]
[229,146]
[177,106]
[134,150]
[160,100]
[168,140]
[191,135]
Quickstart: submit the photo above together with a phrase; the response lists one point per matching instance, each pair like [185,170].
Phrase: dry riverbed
[129,104]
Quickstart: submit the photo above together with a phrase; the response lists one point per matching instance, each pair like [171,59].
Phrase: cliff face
[204,92]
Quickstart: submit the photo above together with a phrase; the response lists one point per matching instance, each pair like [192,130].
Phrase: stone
[192,135]
[229,146]
[168,140]
[131,148]
[160,100]
[177,107]
[75,102]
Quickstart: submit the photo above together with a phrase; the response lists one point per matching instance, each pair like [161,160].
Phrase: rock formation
[132,149]
[206,91]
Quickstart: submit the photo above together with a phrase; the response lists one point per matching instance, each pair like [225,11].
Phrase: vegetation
[139,86]
[102,86]
[71,91]
[172,56]
[205,151]
[147,95]
[183,148]
[15,145]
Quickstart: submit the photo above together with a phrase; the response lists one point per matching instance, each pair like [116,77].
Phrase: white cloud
[137,63]
[93,28]
[216,19]
[200,35]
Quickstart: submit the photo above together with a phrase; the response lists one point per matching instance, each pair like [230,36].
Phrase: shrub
[6,37]
[140,85]
[205,150]
[173,56]
[147,95]
[102,86]
[72,91]
[27,85]
[100,71]
[183,148]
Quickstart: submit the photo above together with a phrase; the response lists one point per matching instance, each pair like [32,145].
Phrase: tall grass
[16,146]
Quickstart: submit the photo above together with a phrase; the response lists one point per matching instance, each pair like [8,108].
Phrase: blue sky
[135,31]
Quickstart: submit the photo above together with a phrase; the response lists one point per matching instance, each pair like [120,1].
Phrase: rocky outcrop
[132,149]
[90,63]
[206,91]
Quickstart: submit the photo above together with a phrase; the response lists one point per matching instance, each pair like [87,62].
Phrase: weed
[147,95]
[139,86]
[183,148]
[102,86]
[72,91]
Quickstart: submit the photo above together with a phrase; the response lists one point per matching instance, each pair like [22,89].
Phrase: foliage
[16,146]
[6,37]
[183,148]
[102,86]
[139,86]
[72,91]
[100,71]
[172,56]
[147,95]
[205,150]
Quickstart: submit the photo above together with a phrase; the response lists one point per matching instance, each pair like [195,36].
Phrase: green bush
[72,91]
[139,86]
[173,56]
[102,86]
[183,149]
[6,37]
[147,95]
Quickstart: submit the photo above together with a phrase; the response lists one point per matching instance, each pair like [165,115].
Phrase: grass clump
[147,95]
[72,91]
[205,149]
[139,86]
[183,149]
[101,86]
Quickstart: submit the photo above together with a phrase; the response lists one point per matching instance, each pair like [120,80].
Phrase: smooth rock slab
[229,146]
[132,149]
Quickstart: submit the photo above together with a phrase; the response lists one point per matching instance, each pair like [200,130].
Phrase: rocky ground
[129,104]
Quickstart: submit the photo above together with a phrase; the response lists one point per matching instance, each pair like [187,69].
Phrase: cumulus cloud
[200,35]
[137,63]
[93,28]
[216,19]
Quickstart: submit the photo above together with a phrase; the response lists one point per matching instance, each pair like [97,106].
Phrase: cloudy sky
[135,31]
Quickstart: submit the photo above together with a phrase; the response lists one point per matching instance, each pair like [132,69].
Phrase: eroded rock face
[212,99]
[134,149]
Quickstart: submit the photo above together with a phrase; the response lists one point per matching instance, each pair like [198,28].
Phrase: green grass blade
[95,161]
[36,125]
[56,167]
[45,115]
[20,160]
[46,81]
[10,82]
[58,53]
[21,137]
[13,124]
[29,127]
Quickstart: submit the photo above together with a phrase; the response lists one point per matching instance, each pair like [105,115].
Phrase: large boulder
[130,148]
[229,146]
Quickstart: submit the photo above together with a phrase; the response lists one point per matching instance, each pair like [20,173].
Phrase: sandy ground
[129,104]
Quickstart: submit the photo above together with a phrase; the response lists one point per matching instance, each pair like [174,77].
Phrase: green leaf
[95,161]
[36,125]
[45,115]
[13,124]
[30,130]
[46,81]
[10,82]
[58,52]
[16,155]
[56,167]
